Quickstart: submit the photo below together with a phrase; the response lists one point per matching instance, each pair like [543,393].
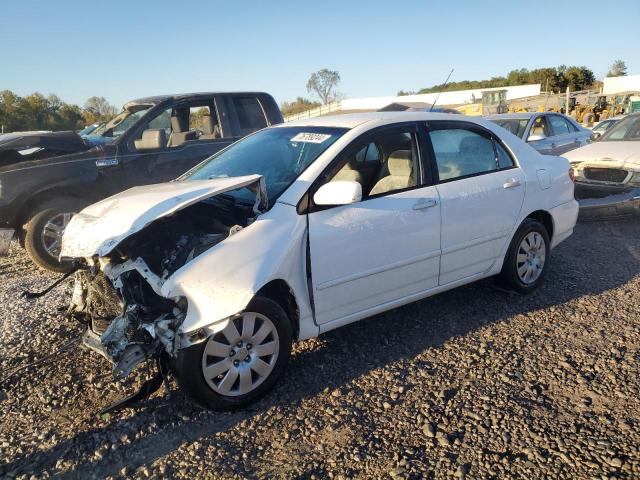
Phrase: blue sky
[127,49]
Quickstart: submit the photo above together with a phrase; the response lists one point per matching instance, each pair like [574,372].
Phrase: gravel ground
[474,382]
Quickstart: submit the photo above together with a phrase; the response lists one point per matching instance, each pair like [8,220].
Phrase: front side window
[387,163]
[558,125]
[461,153]
[279,154]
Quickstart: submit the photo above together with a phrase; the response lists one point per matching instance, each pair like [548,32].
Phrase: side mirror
[152,139]
[534,137]
[595,136]
[340,192]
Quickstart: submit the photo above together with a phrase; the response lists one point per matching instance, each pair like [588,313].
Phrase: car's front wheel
[239,364]
[44,230]
[527,259]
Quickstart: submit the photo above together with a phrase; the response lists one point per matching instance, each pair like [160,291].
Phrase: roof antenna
[441,90]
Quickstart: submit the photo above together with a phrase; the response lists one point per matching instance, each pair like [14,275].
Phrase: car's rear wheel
[241,363]
[44,230]
[527,259]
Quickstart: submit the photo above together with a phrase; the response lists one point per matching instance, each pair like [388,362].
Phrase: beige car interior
[180,132]
[401,173]
[385,164]
[210,128]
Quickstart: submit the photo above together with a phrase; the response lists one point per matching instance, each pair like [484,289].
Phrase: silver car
[549,133]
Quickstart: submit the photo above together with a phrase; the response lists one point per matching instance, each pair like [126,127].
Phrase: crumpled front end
[119,294]
[127,322]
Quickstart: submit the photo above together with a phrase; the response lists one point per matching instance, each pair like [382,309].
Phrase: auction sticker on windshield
[310,137]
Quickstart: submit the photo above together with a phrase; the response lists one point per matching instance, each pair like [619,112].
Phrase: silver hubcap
[52,233]
[531,256]
[240,357]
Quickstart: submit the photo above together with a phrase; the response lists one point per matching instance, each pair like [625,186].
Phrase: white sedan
[302,228]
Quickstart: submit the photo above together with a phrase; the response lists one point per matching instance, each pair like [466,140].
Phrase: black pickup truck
[45,177]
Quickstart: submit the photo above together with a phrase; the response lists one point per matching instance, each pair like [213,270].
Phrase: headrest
[476,145]
[178,124]
[207,124]
[400,163]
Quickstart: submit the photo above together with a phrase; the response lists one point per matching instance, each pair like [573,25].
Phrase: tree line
[37,112]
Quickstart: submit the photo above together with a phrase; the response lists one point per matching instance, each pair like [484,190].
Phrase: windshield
[108,132]
[279,154]
[626,129]
[517,126]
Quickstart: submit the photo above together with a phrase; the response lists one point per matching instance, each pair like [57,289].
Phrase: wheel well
[546,219]
[30,205]
[279,292]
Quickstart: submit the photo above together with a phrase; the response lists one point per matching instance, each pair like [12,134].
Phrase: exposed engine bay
[118,296]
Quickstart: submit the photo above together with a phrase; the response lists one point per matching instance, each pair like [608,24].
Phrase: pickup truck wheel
[241,363]
[43,232]
[527,259]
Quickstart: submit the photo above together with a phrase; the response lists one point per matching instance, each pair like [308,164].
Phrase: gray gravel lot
[474,382]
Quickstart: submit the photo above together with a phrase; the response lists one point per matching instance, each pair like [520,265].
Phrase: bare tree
[323,83]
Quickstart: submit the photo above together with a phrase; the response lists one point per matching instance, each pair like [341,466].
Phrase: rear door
[481,190]
[243,114]
[368,255]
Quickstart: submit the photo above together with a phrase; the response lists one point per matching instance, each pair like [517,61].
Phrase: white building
[628,83]
[457,97]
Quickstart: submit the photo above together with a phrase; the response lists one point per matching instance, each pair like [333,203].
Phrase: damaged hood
[100,227]
[616,154]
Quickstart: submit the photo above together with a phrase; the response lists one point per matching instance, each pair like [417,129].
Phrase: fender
[221,282]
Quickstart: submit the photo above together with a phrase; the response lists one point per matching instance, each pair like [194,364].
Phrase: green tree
[618,69]
[300,104]
[98,109]
[323,83]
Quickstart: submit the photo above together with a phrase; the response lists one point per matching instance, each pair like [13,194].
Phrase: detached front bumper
[609,203]
[6,234]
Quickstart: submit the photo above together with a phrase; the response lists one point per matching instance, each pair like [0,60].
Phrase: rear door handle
[425,203]
[511,183]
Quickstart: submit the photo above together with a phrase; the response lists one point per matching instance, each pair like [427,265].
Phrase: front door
[384,248]
[481,192]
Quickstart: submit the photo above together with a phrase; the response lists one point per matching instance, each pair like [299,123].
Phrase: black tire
[34,227]
[509,274]
[188,364]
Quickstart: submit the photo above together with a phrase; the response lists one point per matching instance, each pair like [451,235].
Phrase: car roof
[515,116]
[352,120]
[157,99]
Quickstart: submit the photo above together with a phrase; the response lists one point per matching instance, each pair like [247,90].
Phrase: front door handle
[511,183]
[425,203]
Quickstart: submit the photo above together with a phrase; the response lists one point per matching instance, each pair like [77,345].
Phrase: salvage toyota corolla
[302,228]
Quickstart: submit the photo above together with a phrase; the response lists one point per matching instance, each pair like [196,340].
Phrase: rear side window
[462,153]
[249,114]
[558,125]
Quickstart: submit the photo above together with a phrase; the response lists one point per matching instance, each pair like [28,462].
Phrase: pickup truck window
[249,114]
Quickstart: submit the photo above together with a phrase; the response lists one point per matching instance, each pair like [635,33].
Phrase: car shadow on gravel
[598,258]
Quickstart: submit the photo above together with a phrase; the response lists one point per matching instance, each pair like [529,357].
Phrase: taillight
[572,175]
